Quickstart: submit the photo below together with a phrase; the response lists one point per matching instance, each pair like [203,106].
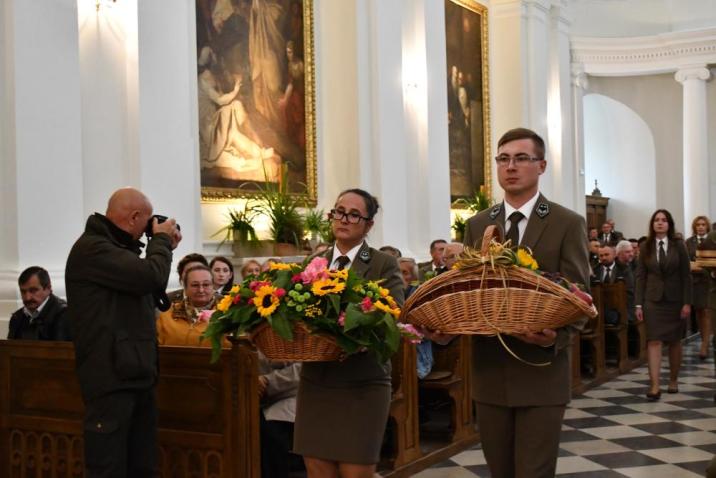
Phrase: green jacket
[111,309]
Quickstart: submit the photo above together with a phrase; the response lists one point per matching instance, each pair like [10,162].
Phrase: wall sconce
[99,2]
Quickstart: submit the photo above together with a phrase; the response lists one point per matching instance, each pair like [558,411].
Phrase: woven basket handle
[491,232]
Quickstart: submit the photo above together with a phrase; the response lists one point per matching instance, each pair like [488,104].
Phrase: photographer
[111,298]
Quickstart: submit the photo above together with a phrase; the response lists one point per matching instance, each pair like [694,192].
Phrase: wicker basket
[305,346]
[706,258]
[487,300]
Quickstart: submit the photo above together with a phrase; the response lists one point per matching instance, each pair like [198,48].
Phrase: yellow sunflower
[327,286]
[266,301]
[280,266]
[224,303]
[525,259]
[341,274]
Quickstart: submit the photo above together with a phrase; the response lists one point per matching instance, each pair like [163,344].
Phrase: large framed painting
[468,98]
[255,66]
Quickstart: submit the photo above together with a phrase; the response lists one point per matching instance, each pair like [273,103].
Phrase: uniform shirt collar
[350,254]
[526,208]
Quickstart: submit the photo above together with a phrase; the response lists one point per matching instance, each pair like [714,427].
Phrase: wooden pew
[405,446]
[593,334]
[614,298]
[208,413]
[455,358]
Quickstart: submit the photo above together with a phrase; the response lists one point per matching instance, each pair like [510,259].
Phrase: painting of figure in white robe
[250,89]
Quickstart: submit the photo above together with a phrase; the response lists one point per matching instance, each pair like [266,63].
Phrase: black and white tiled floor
[612,431]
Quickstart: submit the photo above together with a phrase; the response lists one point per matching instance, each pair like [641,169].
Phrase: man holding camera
[110,293]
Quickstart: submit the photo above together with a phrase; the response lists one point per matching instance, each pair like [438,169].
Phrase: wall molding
[647,55]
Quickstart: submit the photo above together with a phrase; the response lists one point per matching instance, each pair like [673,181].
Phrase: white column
[579,85]
[695,137]
[166,123]
[382,150]
[40,141]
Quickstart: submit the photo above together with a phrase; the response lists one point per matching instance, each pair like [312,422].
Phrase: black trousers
[276,441]
[120,435]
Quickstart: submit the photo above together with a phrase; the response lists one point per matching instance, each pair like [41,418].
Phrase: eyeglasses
[350,217]
[503,160]
[202,285]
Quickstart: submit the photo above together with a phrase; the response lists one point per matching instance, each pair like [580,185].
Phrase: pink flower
[342,319]
[296,278]
[315,270]
[410,332]
[256,284]
[204,315]
[279,292]
[366,304]
[236,299]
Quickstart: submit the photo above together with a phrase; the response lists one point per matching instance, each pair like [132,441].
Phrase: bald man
[111,308]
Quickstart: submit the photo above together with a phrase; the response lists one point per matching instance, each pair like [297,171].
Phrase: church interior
[210,107]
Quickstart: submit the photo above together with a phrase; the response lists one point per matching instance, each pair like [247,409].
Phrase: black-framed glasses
[503,160]
[350,217]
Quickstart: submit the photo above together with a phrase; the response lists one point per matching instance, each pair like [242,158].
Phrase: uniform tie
[662,254]
[342,262]
[514,233]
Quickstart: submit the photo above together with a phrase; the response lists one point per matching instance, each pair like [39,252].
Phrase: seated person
[278,385]
[183,323]
[187,261]
[424,350]
[433,267]
[594,255]
[267,263]
[610,271]
[222,270]
[43,315]
[393,251]
[452,254]
[250,268]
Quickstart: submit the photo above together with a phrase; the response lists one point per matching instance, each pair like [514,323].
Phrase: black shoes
[652,397]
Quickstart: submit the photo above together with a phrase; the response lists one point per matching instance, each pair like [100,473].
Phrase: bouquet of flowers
[358,315]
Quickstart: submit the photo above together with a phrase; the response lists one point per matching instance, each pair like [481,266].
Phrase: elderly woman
[184,322]
[342,407]
[250,268]
[222,271]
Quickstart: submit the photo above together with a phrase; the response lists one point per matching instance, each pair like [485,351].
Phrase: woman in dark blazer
[701,226]
[663,297]
[342,407]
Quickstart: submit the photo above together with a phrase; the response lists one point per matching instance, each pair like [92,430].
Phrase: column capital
[579,77]
[692,73]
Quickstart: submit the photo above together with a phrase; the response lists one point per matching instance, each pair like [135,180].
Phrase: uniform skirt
[663,321]
[342,409]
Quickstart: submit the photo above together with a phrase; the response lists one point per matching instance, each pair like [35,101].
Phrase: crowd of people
[334,414]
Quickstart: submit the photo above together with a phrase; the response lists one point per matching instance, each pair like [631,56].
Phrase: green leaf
[392,333]
[347,344]
[354,318]
[335,302]
[281,324]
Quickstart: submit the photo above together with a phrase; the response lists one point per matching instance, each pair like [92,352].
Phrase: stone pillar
[695,137]
[579,83]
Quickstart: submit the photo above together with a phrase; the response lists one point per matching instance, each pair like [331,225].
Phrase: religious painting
[467,98]
[256,98]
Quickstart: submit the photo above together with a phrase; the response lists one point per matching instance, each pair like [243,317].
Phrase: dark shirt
[50,324]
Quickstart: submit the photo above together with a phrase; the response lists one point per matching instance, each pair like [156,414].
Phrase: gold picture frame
[468,92]
[257,101]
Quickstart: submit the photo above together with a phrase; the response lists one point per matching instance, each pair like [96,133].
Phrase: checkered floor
[613,431]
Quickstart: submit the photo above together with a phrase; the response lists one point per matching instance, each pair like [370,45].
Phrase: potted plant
[475,203]
[459,227]
[282,210]
[240,230]
[317,226]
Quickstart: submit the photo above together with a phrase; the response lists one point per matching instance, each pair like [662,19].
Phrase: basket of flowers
[497,291]
[308,313]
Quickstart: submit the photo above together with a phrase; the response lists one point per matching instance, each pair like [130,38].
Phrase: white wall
[711,111]
[657,100]
[620,153]
[631,18]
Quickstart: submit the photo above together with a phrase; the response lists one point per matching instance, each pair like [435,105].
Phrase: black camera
[150,224]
